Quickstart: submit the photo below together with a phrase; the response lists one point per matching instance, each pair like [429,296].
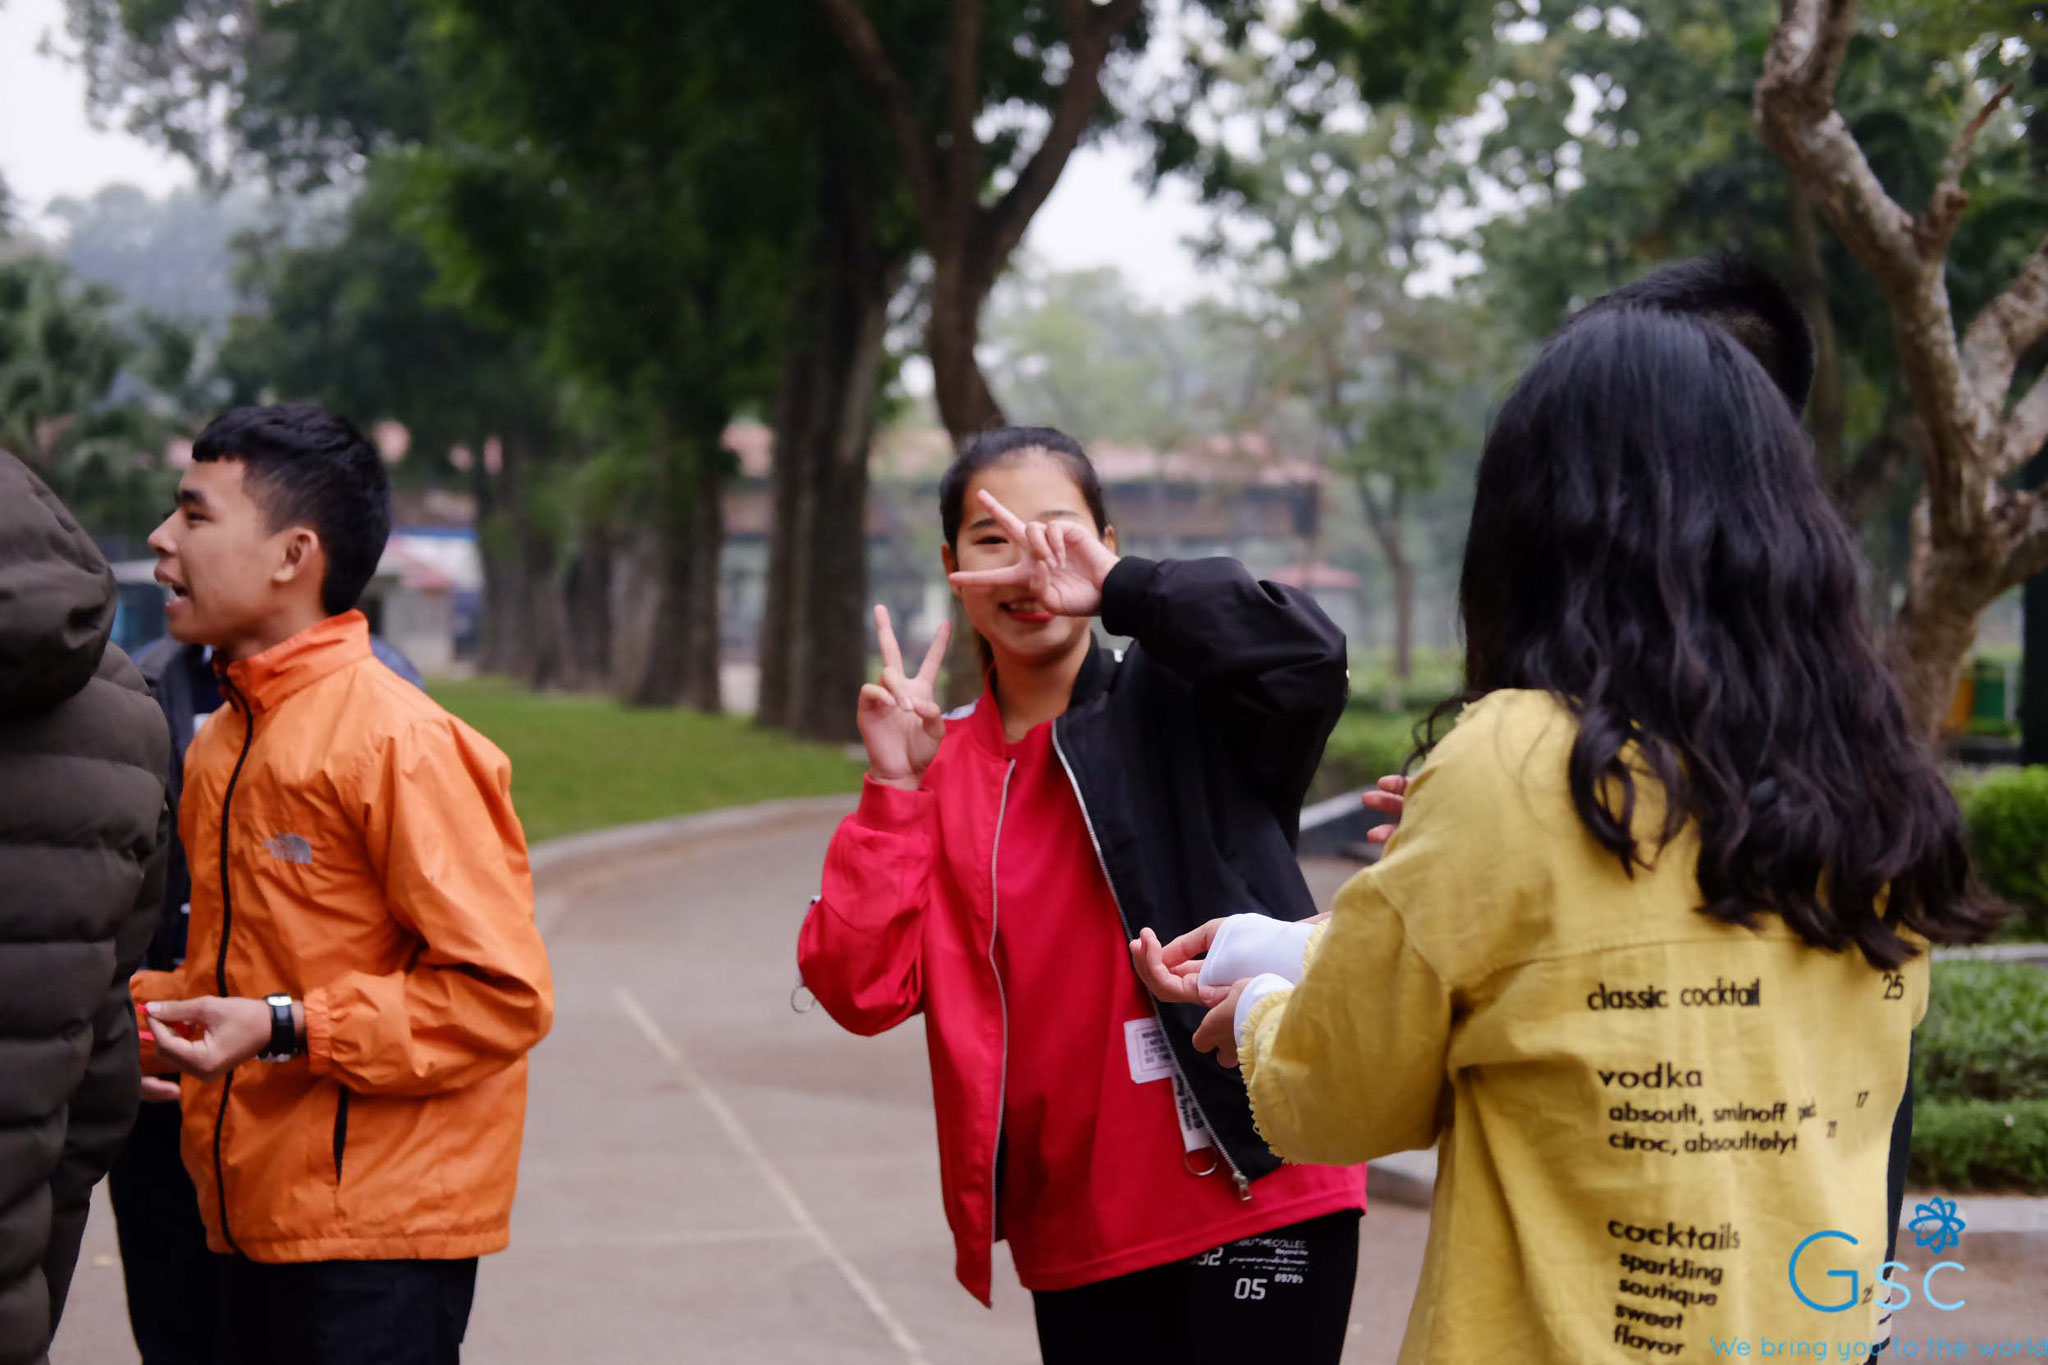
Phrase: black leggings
[1282,1295]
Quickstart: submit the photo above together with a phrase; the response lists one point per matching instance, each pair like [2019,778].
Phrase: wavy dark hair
[1651,544]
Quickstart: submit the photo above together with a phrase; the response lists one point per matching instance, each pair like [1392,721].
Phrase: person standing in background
[1644,959]
[363,979]
[172,1280]
[84,828]
[999,861]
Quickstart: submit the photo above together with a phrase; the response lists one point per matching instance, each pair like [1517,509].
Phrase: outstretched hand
[1218,1030]
[210,1036]
[1389,797]
[1172,971]
[1062,566]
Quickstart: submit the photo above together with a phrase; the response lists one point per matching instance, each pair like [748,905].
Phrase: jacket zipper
[1237,1175]
[220,966]
[340,1131]
[1003,1002]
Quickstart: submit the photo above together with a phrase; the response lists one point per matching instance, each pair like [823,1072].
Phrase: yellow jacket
[1640,1112]
[354,846]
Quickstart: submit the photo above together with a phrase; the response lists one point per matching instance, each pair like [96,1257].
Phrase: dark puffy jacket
[83,825]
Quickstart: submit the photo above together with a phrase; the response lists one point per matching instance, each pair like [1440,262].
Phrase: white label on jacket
[1145,1043]
[1193,1136]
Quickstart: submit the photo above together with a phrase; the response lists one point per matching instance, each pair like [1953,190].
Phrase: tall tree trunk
[1384,520]
[967,407]
[971,242]
[2034,638]
[543,618]
[1974,536]
[952,334]
[1826,408]
[1404,615]
[668,674]
[814,635]
[522,626]
[703,685]
[587,601]
[496,624]
[780,642]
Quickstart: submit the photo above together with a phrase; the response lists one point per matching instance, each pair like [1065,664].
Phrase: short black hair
[307,466]
[1744,300]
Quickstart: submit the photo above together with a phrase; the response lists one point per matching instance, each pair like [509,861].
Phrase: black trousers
[173,1281]
[1283,1295]
[348,1312]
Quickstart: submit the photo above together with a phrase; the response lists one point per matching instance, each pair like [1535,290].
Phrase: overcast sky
[1098,214]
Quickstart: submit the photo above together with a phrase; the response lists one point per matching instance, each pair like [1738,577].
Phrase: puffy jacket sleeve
[1270,669]
[438,825]
[103,1107]
[861,950]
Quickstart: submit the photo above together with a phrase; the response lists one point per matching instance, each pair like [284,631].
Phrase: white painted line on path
[669,1239]
[741,1138]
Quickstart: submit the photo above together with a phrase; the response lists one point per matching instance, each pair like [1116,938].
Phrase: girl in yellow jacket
[1644,957]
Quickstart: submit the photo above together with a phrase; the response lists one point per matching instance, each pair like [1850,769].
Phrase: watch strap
[284,1036]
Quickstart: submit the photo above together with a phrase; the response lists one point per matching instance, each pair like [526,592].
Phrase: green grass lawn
[583,763]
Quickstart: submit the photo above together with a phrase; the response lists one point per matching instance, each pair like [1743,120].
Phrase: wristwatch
[284,1036]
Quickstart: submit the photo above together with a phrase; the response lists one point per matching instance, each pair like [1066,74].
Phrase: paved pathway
[711,1177]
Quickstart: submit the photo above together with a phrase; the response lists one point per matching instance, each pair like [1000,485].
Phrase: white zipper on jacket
[995,1193]
[1237,1175]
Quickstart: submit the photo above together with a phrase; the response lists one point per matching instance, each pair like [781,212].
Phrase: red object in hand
[145,1022]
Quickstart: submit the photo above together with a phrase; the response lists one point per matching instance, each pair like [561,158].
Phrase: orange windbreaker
[354,845]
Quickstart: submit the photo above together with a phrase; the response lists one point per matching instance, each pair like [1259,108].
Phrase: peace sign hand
[1062,567]
[899,716]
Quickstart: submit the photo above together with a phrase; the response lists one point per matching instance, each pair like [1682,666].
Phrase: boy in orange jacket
[363,978]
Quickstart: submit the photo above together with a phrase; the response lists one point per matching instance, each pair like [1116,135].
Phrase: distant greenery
[583,763]
[1366,746]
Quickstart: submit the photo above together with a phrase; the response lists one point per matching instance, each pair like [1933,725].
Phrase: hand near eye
[1062,565]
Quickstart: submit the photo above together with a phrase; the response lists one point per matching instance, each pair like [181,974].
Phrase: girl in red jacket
[1000,863]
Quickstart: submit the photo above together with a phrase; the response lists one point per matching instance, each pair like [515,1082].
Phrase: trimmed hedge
[1366,746]
[1986,1033]
[1981,1144]
[2007,813]
[1980,1078]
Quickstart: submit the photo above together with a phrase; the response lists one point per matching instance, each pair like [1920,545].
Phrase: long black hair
[1007,445]
[1651,543]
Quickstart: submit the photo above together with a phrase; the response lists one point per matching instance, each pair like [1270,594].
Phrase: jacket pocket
[340,1131]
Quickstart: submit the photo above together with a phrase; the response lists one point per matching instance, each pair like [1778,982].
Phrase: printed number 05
[1252,1289]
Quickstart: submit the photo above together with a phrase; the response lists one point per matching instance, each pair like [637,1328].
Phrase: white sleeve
[1254,945]
[1256,990]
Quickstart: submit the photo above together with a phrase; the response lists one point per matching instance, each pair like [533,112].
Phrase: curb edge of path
[553,854]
